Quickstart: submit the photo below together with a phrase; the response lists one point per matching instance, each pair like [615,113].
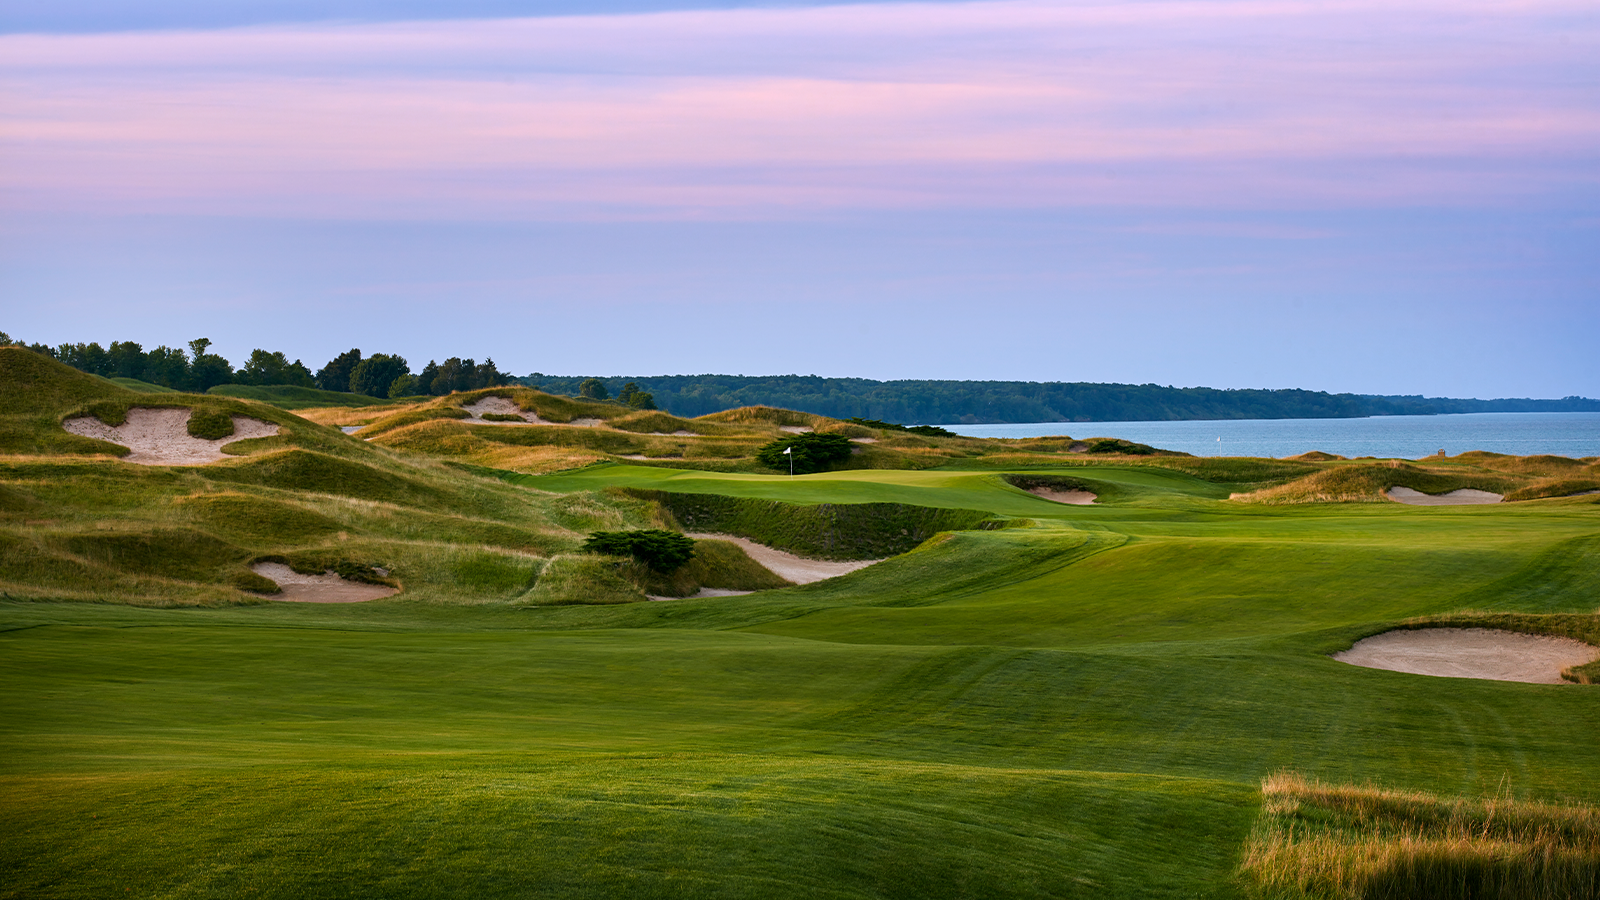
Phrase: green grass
[285,396]
[1083,704]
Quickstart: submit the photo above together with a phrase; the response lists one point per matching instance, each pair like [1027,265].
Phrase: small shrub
[210,424]
[811,452]
[502,417]
[662,551]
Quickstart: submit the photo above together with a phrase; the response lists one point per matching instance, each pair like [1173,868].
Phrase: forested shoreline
[934,402]
[925,402]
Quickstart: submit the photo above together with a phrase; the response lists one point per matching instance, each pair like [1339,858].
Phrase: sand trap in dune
[351,429]
[795,429]
[863,440]
[703,593]
[1463,497]
[1471,653]
[325,588]
[1076,498]
[797,569]
[500,406]
[160,437]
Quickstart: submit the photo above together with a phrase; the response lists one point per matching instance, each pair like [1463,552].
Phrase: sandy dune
[325,588]
[797,569]
[795,429]
[1463,497]
[1076,498]
[1471,653]
[160,437]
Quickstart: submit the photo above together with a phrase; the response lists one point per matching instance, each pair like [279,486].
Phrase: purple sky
[1349,196]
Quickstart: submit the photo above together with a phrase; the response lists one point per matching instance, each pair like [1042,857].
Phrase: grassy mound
[818,531]
[1366,483]
[284,396]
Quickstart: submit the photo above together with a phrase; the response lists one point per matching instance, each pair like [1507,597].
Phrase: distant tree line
[981,402]
[199,370]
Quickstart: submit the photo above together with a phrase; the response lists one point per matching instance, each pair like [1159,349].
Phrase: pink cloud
[988,104]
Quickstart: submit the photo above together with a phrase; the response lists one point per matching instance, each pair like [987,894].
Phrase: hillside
[1061,672]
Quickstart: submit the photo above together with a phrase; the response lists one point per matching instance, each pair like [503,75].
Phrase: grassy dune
[1082,704]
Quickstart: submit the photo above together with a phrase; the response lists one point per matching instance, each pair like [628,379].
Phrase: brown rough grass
[1317,840]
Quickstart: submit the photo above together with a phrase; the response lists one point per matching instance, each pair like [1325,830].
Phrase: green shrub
[809,452]
[821,530]
[502,417]
[662,551]
[210,424]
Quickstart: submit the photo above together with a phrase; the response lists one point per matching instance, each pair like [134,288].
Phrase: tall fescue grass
[1366,483]
[1340,842]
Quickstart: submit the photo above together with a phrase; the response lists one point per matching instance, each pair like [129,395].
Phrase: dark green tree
[335,376]
[207,370]
[374,375]
[811,452]
[274,368]
[593,389]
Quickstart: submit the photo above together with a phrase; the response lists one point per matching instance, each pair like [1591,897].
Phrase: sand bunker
[797,569]
[795,429]
[1471,653]
[500,406]
[863,440]
[325,588]
[1463,497]
[351,429]
[160,437]
[703,593]
[1076,498]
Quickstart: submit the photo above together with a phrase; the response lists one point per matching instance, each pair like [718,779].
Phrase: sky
[1376,196]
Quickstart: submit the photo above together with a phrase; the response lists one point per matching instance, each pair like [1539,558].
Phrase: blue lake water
[1522,434]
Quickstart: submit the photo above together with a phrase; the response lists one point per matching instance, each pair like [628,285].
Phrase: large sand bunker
[325,588]
[160,437]
[1463,497]
[1471,653]
[797,569]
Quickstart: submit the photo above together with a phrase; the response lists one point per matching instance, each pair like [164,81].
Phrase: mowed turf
[1083,707]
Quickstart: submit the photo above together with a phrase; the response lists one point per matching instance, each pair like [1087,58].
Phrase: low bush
[663,551]
[502,417]
[210,424]
[808,452]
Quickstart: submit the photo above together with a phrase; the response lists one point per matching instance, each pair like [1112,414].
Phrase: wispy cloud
[1253,103]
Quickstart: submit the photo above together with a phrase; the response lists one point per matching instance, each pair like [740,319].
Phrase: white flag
[786,450]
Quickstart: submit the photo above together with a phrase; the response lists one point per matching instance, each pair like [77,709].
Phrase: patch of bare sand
[325,588]
[797,569]
[863,440]
[1462,497]
[703,593]
[1471,653]
[160,436]
[500,406]
[1076,498]
[795,429]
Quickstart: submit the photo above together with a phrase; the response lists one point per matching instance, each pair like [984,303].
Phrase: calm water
[1522,434]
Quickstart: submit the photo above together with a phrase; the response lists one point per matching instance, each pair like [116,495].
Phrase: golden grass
[1367,482]
[1341,842]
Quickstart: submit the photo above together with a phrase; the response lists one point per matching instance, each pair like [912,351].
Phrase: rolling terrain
[1025,699]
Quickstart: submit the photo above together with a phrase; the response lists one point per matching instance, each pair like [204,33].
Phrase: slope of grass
[1081,705]
[285,396]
